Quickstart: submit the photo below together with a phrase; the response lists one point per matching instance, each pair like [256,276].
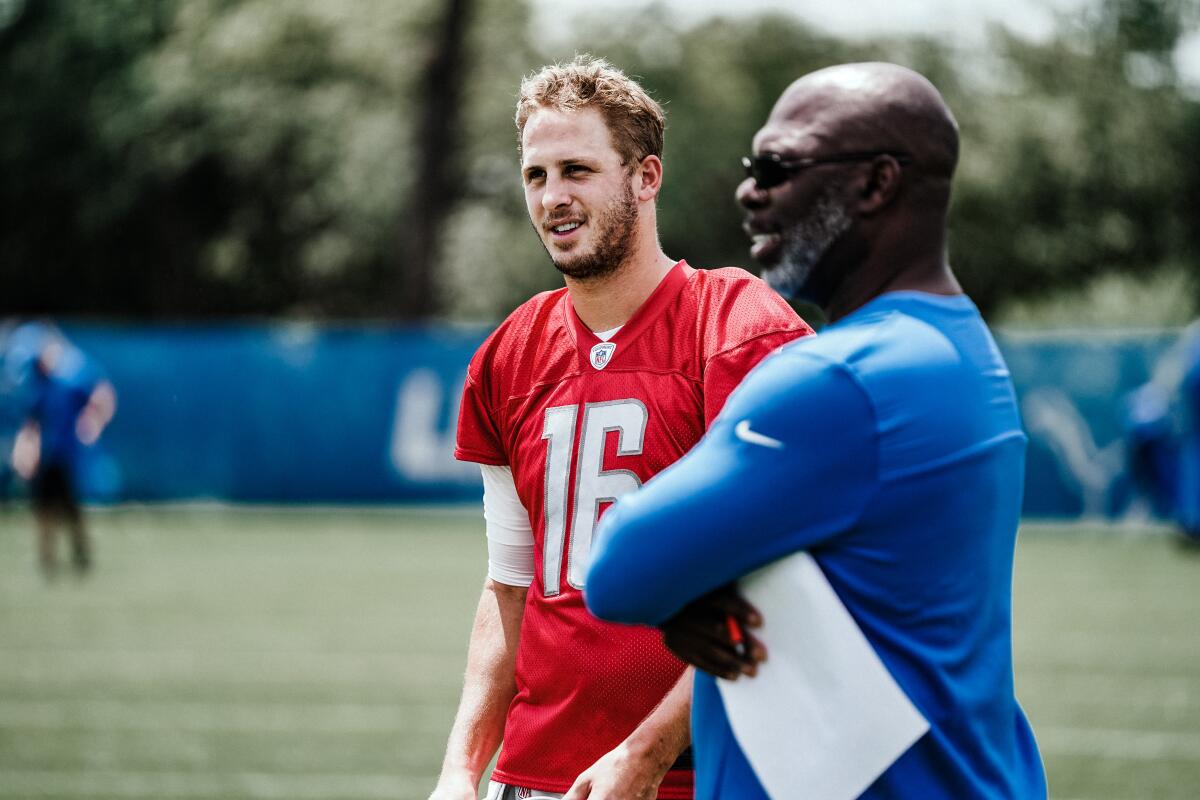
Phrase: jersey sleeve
[791,463]
[478,438]
[725,370]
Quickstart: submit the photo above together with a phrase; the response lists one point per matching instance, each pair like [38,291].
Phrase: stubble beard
[806,244]
[614,230]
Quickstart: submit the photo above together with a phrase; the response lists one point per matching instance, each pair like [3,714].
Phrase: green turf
[226,654]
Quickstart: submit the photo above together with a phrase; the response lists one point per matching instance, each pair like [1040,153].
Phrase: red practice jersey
[580,422]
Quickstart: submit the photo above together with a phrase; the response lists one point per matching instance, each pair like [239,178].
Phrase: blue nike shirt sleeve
[799,430]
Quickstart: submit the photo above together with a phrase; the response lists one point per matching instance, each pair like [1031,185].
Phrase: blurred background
[279,229]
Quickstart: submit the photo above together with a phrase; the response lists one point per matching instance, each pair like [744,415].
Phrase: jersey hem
[476,457]
[686,792]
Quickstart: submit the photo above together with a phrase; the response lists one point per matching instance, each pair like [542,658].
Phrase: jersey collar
[650,309]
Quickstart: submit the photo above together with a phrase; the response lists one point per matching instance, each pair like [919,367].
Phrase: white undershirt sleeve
[509,533]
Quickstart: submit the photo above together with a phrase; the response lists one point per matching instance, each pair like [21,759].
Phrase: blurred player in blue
[888,447]
[1162,433]
[66,403]
[10,423]
[1187,510]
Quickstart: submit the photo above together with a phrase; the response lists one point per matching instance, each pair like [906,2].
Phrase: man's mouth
[565,229]
[764,247]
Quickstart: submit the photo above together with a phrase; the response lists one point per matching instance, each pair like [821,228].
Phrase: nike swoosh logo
[743,432]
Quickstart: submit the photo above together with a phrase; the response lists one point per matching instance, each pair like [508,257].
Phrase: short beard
[806,244]
[615,227]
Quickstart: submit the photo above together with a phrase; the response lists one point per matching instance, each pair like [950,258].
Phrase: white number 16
[593,484]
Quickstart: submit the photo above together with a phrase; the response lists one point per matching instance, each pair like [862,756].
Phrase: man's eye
[575,169]
[533,176]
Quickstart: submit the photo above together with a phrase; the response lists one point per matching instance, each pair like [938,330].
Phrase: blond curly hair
[636,122]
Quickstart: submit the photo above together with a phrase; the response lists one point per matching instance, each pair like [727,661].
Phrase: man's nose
[749,195]
[556,194]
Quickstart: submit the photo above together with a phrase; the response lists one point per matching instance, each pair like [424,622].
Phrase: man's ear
[881,185]
[648,177]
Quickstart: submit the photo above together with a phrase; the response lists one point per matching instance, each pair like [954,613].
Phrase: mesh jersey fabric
[576,436]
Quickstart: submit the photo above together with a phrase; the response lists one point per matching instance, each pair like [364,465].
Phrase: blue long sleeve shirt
[890,448]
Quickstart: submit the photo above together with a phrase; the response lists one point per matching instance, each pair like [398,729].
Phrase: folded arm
[789,463]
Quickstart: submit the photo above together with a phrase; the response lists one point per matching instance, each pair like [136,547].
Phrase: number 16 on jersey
[593,484]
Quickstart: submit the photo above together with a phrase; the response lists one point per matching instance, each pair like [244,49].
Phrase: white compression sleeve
[509,534]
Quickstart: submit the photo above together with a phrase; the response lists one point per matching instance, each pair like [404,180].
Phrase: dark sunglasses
[771,170]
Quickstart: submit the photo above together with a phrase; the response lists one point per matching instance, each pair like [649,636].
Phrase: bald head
[873,107]
[849,192]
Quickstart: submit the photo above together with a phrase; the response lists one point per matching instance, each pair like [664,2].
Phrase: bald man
[889,448]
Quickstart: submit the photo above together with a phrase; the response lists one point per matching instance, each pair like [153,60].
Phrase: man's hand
[621,774]
[634,769]
[27,451]
[454,787]
[96,415]
[488,688]
[700,634]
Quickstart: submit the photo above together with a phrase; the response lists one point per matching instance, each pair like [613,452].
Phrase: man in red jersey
[580,396]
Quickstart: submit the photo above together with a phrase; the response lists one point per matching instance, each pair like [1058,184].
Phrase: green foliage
[250,157]
[1077,168]
[275,107]
[62,189]
[1163,298]
[719,87]
[184,158]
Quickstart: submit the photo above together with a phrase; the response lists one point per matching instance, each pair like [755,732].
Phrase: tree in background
[1077,151]
[228,157]
[198,158]
[64,190]
[433,197]
[1080,162]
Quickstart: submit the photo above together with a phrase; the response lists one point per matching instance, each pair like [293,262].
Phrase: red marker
[738,638]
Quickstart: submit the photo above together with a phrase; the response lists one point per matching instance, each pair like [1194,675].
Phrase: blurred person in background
[886,455]
[1162,435]
[578,397]
[10,422]
[66,403]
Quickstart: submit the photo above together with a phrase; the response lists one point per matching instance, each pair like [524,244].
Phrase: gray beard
[805,244]
[615,227]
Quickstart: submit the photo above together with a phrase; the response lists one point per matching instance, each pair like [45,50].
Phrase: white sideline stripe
[1101,682]
[335,718]
[92,658]
[183,785]
[1129,745]
[240,666]
[1121,644]
[1176,696]
[1104,669]
[1145,663]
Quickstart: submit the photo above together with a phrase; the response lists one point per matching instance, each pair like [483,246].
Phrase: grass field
[225,654]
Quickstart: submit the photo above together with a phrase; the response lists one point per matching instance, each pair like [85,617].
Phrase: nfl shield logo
[602,354]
